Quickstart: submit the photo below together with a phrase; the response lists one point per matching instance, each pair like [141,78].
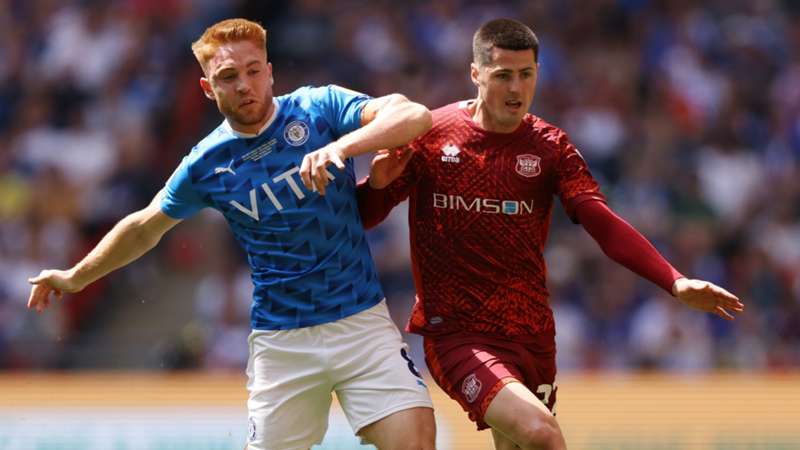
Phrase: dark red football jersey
[479,213]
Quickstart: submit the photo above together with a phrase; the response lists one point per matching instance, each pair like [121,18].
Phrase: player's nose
[243,88]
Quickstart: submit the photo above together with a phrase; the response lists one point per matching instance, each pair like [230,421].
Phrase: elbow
[420,114]
[368,217]
[371,221]
[142,230]
[367,224]
[425,117]
[367,220]
[140,235]
[415,113]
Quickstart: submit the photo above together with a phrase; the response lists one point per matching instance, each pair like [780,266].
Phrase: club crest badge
[471,387]
[529,165]
[296,133]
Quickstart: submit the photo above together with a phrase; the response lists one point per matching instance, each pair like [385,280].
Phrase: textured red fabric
[479,215]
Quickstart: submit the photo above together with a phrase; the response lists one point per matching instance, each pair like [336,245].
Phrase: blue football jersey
[308,253]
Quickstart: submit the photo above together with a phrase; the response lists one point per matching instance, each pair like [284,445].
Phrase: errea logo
[451,154]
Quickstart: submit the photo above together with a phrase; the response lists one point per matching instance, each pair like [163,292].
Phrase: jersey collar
[463,107]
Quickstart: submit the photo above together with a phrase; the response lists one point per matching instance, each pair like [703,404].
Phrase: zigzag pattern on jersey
[308,253]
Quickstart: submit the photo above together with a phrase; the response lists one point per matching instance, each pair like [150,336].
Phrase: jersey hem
[317,320]
[459,334]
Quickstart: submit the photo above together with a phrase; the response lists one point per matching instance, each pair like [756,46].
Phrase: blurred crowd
[688,113]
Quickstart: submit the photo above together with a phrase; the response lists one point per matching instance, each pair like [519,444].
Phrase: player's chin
[249,117]
[517,118]
[512,118]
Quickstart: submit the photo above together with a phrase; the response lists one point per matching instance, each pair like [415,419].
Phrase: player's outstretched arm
[708,297]
[386,122]
[622,243]
[132,237]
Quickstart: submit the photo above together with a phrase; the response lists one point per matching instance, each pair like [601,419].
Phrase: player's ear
[205,85]
[269,71]
[474,71]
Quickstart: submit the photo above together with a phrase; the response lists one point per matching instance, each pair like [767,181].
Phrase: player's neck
[483,118]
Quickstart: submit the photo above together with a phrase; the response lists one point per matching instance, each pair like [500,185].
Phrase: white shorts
[291,374]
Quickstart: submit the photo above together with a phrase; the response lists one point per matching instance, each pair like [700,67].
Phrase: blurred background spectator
[688,112]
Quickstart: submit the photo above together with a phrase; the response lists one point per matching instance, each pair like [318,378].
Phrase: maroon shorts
[472,369]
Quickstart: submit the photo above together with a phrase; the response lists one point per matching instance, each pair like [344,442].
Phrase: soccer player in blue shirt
[319,319]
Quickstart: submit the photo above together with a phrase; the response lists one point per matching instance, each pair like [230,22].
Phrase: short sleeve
[341,107]
[180,200]
[575,182]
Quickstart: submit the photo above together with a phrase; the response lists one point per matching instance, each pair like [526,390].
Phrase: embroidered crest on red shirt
[529,165]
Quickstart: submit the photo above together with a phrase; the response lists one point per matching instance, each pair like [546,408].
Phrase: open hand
[314,170]
[706,296]
[48,282]
[387,165]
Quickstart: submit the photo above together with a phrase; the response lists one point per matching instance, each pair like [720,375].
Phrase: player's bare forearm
[131,238]
[388,122]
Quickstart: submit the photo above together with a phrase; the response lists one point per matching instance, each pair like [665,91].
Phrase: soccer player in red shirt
[481,184]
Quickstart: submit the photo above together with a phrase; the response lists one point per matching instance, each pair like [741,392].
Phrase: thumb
[39,278]
[381,156]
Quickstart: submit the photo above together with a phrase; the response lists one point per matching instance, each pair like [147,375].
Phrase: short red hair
[229,30]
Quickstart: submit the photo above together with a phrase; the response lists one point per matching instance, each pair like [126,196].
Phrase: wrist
[76,278]
[344,151]
[374,185]
[676,286]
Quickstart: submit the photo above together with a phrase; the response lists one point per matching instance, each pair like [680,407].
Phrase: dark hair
[507,34]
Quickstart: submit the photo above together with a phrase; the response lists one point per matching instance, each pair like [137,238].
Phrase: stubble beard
[244,118]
